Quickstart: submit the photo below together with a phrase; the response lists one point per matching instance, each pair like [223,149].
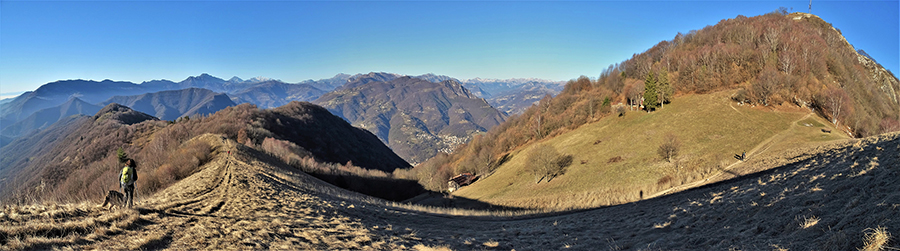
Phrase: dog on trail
[114,198]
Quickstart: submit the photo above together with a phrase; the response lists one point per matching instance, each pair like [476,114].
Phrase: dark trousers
[129,195]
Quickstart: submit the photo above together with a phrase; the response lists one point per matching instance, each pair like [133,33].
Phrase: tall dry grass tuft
[808,222]
[877,239]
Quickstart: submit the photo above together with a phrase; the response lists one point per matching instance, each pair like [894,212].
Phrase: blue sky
[41,42]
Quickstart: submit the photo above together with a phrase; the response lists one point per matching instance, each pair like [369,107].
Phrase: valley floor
[826,198]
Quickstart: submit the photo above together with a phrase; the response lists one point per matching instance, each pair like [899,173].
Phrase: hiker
[744,156]
[126,181]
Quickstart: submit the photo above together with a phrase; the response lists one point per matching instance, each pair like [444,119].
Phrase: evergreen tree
[120,153]
[650,95]
[664,90]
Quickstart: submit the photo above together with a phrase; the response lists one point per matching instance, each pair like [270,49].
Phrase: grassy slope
[711,129]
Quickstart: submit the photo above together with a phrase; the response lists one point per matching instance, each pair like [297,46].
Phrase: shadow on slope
[441,200]
[385,188]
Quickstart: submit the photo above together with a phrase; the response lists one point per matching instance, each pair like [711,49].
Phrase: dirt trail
[247,200]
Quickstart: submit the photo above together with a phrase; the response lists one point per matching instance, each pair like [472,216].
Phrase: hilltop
[743,84]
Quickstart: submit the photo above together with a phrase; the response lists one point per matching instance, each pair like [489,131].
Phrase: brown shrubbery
[180,164]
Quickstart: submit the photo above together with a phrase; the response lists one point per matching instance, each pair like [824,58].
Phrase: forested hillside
[773,59]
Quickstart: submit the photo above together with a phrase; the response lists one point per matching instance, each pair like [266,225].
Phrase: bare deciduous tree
[836,103]
[669,148]
[545,162]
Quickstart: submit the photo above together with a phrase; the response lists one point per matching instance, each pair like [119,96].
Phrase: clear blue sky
[41,42]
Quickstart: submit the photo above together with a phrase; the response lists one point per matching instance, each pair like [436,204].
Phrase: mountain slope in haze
[271,94]
[43,118]
[56,93]
[328,84]
[497,87]
[415,117]
[171,105]
[511,96]
[515,99]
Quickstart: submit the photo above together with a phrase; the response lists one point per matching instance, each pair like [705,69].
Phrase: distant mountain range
[165,105]
[206,94]
[513,96]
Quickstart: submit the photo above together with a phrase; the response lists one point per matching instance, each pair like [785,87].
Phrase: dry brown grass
[877,240]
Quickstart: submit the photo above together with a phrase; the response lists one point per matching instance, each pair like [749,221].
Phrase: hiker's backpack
[127,175]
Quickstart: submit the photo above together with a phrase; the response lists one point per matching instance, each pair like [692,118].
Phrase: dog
[114,198]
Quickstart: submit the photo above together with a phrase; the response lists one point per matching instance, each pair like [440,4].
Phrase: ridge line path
[767,143]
